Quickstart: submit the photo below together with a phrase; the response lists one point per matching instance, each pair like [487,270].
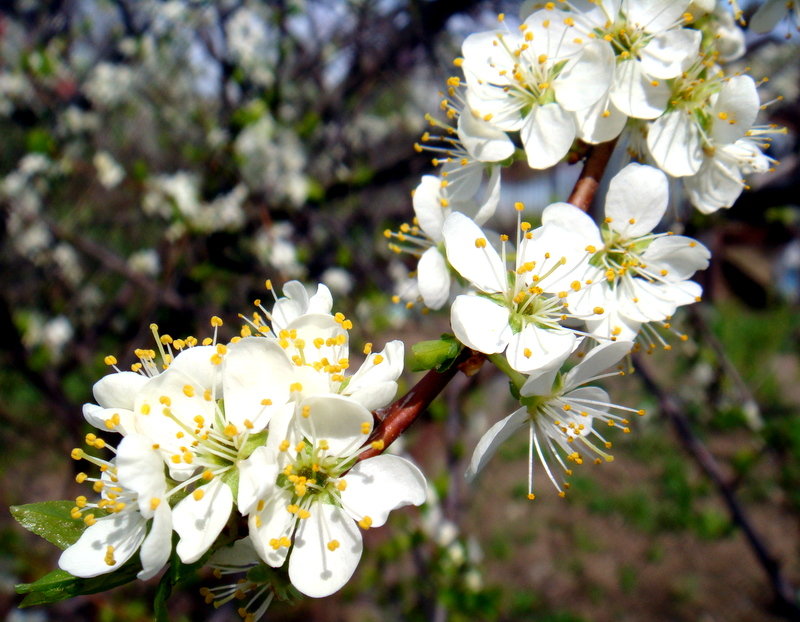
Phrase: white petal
[668,54]
[86,558]
[272,523]
[336,419]
[717,184]
[315,570]
[374,384]
[540,382]
[546,346]
[571,218]
[378,485]
[118,390]
[482,266]
[433,278]
[600,122]
[655,15]
[674,143]
[427,207]
[157,546]
[735,110]
[634,94]
[198,523]
[498,434]
[547,134]
[586,79]
[255,369]
[293,304]
[103,418]
[679,255]
[140,468]
[485,209]
[613,325]
[482,140]
[480,324]
[256,475]
[598,360]
[321,301]
[636,200]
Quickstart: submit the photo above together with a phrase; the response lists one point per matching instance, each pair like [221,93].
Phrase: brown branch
[398,416]
[670,407]
[589,180]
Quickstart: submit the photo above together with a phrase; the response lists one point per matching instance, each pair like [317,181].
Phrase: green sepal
[253,442]
[50,520]
[60,585]
[437,354]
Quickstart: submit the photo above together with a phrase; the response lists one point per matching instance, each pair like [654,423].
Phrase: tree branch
[783,591]
[398,416]
[589,181]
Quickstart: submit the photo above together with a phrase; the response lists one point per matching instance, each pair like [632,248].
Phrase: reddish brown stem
[587,184]
[396,418]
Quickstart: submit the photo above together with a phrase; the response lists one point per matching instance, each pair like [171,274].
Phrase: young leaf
[51,521]
[60,585]
[436,354]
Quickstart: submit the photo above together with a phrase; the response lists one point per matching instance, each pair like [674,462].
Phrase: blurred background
[159,160]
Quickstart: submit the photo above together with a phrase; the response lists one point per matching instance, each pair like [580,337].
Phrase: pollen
[216,321]
[480,243]
[377,360]
[333,545]
[110,360]
[365,523]
[198,494]
[366,427]
[379,445]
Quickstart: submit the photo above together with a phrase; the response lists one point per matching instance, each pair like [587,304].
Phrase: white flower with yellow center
[561,416]
[532,81]
[518,310]
[651,46]
[206,415]
[312,511]
[636,276]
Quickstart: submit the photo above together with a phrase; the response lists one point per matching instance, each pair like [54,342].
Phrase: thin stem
[671,409]
[397,417]
[589,181]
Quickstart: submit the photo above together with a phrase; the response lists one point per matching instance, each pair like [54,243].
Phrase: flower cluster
[597,71]
[268,427]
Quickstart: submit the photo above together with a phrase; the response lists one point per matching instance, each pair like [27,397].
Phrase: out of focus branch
[117,264]
[784,592]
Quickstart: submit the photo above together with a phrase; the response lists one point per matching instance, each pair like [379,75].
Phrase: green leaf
[436,354]
[51,521]
[60,585]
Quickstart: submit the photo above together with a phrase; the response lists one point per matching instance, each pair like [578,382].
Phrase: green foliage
[60,585]
[50,520]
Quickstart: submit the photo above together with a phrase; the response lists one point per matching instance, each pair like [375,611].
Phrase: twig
[671,409]
[397,417]
[589,180]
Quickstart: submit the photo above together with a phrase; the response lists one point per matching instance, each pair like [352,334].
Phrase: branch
[398,416]
[589,180]
[783,591]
